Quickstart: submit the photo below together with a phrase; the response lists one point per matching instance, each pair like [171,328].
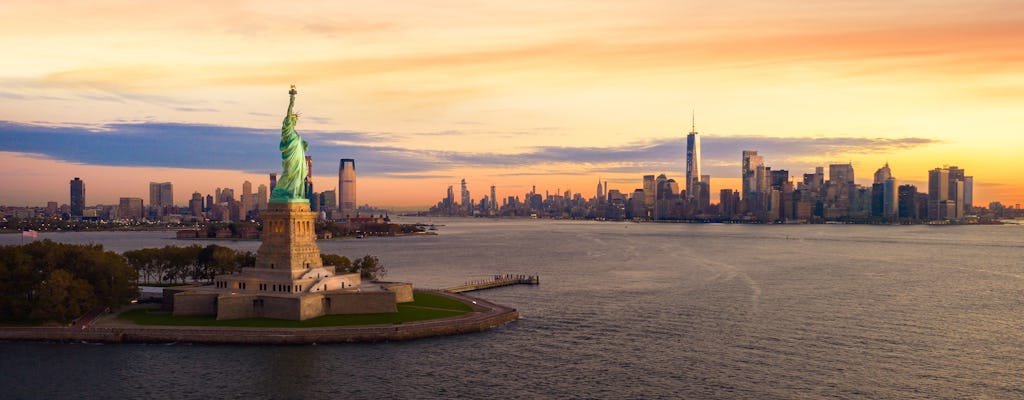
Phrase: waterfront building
[908,206]
[957,191]
[968,193]
[494,199]
[347,187]
[449,200]
[883,173]
[262,194]
[751,162]
[692,161]
[890,198]
[161,194]
[77,197]
[649,189]
[248,198]
[726,204]
[467,202]
[130,208]
[938,191]
[195,205]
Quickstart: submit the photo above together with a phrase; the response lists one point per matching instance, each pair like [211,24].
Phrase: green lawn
[426,306]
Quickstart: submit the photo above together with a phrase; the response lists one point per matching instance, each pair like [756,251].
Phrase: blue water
[624,311]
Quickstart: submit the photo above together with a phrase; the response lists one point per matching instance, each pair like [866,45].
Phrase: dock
[495,281]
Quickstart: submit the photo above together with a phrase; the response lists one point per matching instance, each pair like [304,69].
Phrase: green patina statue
[291,188]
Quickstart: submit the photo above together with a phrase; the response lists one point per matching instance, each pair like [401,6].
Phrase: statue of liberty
[291,188]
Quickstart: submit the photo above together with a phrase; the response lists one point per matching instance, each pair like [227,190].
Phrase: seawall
[486,315]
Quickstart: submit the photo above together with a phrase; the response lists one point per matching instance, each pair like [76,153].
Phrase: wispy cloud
[255,150]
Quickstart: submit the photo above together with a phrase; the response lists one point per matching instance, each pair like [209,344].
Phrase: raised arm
[291,101]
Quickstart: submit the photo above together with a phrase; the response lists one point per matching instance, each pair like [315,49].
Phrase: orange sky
[514,78]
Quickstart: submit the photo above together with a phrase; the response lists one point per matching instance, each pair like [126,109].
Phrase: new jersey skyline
[552,94]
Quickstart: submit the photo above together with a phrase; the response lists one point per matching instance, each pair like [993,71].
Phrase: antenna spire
[693,120]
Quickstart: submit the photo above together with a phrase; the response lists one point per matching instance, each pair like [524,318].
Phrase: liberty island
[290,282]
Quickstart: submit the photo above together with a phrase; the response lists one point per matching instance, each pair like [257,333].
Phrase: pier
[495,281]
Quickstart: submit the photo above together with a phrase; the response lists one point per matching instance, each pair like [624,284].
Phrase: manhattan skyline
[555,95]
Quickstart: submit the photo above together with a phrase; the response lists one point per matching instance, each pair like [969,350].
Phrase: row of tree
[171,264]
[174,264]
[46,280]
[51,281]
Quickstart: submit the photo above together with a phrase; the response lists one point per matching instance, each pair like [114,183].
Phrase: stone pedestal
[289,241]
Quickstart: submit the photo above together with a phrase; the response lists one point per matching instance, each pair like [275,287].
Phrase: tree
[57,281]
[340,263]
[214,260]
[369,267]
[63,298]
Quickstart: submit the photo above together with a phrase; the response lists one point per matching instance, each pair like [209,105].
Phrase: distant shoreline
[485,315]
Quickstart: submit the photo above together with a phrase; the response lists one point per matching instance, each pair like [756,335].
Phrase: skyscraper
[692,161]
[494,199]
[161,194]
[968,193]
[77,197]
[248,199]
[449,201]
[273,181]
[347,187]
[751,163]
[890,202]
[957,190]
[195,205]
[883,173]
[841,173]
[650,188]
[938,191]
[467,203]
[262,197]
[130,208]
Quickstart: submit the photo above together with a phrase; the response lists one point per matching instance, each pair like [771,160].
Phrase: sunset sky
[554,93]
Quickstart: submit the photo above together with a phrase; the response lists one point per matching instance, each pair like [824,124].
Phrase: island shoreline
[485,315]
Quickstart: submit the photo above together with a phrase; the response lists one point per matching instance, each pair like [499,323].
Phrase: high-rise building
[890,201]
[957,191]
[726,207]
[840,173]
[968,193]
[248,198]
[77,197]
[751,162]
[347,187]
[494,199]
[600,192]
[938,191]
[467,203]
[692,161]
[449,201]
[131,208]
[650,188]
[908,207]
[195,205]
[273,181]
[883,173]
[262,197]
[329,201]
[161,194]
